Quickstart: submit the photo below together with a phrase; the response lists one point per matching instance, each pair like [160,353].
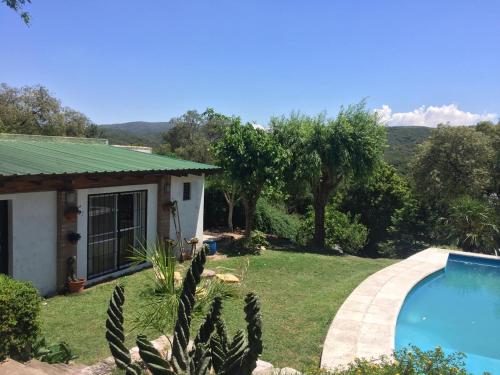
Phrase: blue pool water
[457,309]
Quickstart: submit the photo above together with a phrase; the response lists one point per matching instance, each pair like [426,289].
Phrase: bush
[472,225]
[252,245]
[410,231]
[19,324]
[411,361]
[271,219]
[341,230]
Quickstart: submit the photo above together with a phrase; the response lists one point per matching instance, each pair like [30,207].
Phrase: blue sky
[122,60]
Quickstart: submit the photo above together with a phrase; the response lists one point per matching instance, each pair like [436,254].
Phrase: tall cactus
[115,334]
[210,347]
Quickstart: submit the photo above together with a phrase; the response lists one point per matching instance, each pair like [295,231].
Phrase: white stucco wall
[151,218]
[190,211]
[33,222]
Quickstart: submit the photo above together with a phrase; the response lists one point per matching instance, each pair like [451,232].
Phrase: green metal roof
[38,155]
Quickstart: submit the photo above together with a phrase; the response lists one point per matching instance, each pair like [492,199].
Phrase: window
[186,194]
[116,224]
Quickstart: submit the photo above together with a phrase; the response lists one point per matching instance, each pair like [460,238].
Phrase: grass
[300,294]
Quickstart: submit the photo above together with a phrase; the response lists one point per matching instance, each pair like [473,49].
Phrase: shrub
[252,245]
[410,361]
[53,352]
[19,311]
[274,220]
[472,225]
[410,231]
[341,230]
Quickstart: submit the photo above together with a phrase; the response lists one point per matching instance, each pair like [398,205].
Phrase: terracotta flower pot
[76,286]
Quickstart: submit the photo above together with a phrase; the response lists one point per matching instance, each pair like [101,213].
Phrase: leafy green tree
[493,132]
[376,201]
[454,161]
[18,7]
[328,153]
[251,158]
[33,110]
[191,135]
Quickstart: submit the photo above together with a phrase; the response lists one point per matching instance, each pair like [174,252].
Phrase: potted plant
[72,212]
[75,285]
[74,237]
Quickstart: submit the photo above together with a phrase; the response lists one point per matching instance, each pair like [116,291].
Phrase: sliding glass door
[116,224]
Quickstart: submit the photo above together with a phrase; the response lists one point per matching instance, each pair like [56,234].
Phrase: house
[56,190]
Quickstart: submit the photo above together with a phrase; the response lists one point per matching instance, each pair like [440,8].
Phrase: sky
[415,62]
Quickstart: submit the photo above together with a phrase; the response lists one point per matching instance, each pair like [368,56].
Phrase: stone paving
[365,324]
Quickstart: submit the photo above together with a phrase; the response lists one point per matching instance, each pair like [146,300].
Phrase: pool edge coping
[365,324]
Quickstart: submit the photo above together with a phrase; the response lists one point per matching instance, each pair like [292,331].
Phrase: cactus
[210,347]
[115,334]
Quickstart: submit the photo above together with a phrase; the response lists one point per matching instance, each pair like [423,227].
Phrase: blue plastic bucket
[212,246]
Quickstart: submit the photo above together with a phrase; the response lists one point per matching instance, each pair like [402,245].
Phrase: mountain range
[402,140]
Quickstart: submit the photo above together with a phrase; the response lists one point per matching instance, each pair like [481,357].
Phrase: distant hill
[402,141]
[136,132]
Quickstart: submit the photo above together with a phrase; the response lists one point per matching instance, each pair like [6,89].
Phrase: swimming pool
[458,309]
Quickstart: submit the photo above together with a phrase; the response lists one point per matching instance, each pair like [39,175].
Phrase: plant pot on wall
[71,213]
[76,286]
[74,237]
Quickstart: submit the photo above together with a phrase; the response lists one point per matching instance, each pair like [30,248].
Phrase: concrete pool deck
[365,324]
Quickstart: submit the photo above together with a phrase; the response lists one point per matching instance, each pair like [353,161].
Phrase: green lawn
[300,294]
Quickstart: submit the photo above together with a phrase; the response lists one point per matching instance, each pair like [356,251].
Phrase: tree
[231,193]
[33,110]
[454,161]
[191,135]
[327,153]
[251,158]
[18,6]
[376,201]
[493,132]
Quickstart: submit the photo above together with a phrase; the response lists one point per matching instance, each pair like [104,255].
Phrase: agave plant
[210,348]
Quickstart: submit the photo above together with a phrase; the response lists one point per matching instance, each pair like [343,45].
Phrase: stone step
[35,367]
[11,367]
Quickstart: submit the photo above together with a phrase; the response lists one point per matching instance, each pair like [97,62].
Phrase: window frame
[117,230]
[186,197]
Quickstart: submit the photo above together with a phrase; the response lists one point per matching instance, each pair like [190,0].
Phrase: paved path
[365,324]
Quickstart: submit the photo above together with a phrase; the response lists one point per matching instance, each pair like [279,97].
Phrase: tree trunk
[230,200]
[319,225]
[249,215]
[230,210]
[321,196]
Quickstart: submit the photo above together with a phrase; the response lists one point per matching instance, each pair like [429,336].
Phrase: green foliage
[410,361]
[472,225]
[274,220]
[342,231]
[19,317]
[376,202]
[53,353]
[252,159]
[240,358]
[326,153]
[33,110]
[191,135]
[493,133]
[402,142]
[18,7]
[251,245]
[454,161]
[159,310]
[409,232]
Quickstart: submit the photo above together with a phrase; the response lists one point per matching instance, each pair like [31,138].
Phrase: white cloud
[258,126]
[432,115]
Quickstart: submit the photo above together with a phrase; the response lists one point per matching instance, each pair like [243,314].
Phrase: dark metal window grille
[186,194]
[116,224]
